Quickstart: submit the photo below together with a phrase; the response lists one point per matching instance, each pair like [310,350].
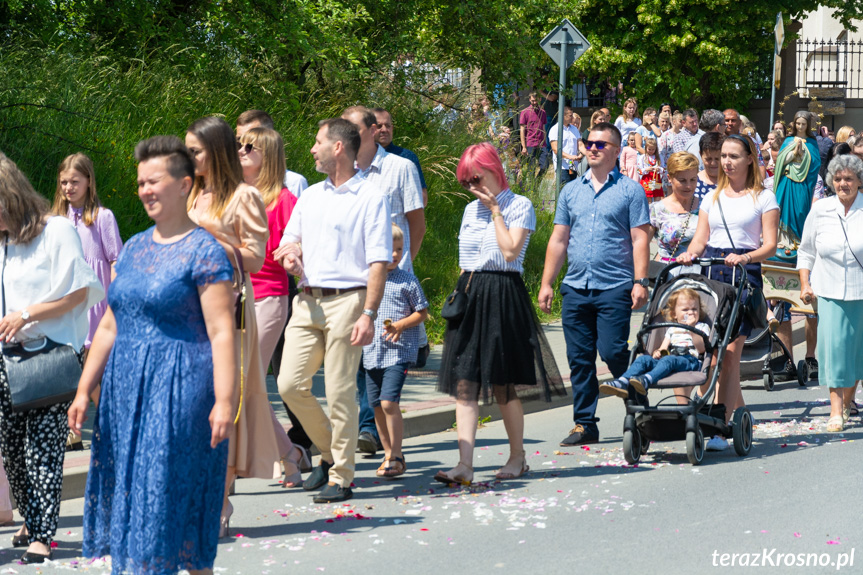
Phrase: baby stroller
[760,346]
[700,417]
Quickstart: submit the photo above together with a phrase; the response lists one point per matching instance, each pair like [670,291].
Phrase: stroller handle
[703,262]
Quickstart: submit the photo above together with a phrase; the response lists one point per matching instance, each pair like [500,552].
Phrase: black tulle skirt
[498,350]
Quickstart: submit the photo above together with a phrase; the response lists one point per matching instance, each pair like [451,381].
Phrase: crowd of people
[248,267]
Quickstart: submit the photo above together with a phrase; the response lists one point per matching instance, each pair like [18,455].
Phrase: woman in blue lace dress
[164,352]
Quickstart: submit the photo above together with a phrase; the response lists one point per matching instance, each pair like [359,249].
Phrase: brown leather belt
[327,292]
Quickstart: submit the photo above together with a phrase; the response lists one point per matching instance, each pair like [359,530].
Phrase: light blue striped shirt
[478,249]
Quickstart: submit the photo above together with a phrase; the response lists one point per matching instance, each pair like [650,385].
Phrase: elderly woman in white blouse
[830,261]
[496,349]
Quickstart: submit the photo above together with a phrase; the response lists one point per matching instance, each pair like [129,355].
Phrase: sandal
[398,468]
[836,424]
[294,479]
[502,475]
[455,480]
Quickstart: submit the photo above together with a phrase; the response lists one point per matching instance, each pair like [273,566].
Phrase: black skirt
[498,349]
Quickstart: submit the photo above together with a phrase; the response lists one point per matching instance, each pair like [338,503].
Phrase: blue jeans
[367,413]
[662,367]
[594,320]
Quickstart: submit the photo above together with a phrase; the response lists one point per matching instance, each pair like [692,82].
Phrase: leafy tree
[692,52]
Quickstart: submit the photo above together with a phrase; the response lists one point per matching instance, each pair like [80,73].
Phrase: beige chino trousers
[319,332]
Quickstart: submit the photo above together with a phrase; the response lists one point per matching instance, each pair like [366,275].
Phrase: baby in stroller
[678,352]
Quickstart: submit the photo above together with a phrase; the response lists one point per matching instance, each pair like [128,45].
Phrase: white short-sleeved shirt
[296,183]
[571,136]
[679,337]
[743,216]
[626,127]
[478,249]
[342,230]
[399,180]
[48,268]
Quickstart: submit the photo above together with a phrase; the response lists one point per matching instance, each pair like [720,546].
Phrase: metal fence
[830,64]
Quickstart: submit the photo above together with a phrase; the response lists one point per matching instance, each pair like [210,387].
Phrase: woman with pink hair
[494,346]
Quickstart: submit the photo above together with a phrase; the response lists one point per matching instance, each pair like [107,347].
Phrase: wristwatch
[371,313]
[643,282]
[25,315]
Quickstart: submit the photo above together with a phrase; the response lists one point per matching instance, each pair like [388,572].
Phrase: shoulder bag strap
[3,275]
[722,214]
[848,243]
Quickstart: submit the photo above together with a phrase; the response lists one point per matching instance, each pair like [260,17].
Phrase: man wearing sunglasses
[601,228]
[398,179]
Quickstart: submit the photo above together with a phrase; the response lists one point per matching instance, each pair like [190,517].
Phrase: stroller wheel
[632,446]
[695,446]
[645,443]
[769,380]
[802,372]
[741,431]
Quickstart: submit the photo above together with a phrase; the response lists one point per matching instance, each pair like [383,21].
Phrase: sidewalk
[425,410]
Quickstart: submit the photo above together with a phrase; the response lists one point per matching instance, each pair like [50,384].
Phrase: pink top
[629,162]
[272,280]
[102,244]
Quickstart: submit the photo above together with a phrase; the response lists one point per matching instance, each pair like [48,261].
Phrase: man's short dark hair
[690,113]
[367,115]
[568,109]
[259,116]
[608,127]
[344,131]
[710,118]
[710,142]
[380,111]
[178,158]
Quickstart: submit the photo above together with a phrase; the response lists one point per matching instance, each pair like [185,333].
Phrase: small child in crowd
[679,350]
[629,158]
[402,310]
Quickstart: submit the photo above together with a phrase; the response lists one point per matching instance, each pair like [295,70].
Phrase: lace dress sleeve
[211,264]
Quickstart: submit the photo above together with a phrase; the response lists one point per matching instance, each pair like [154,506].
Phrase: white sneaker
[716,443]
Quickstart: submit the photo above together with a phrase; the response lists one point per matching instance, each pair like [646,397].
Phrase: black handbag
[40,372]
[456,303]
[754,302]
[239,289]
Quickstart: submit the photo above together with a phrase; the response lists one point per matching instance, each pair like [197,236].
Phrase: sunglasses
[246,148]
[474,181]
[600,145]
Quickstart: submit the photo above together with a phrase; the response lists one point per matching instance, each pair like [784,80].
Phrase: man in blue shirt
[601,226]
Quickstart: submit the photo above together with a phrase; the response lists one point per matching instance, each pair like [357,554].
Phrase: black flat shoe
[30,558]
[21,540]
[318,476]
[333,493]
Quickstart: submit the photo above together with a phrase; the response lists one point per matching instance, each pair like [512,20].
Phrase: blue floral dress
[155,487]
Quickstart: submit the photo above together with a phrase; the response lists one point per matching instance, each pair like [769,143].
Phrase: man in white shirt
[399,180]
[339,240]
[571,138]
[249,119]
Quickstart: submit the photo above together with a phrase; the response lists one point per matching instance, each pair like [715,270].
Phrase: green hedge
[54,103]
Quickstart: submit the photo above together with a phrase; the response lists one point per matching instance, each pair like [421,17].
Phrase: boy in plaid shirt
[402,310]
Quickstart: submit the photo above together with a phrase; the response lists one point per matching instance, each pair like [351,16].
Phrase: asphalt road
[576,510]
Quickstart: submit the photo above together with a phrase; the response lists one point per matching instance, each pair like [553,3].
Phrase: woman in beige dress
[235,214]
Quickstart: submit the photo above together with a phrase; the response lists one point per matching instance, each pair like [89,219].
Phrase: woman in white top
[647,130]
[47,289]
[747,236]
[829,259]
[628,122]
[496,349]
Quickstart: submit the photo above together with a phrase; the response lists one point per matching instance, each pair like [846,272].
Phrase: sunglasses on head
[600,145]
[474,181]
[245,148]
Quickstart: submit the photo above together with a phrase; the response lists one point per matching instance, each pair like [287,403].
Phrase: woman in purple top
[76,199]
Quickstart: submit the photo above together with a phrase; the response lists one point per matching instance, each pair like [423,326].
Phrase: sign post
[779,33]
[565,44]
